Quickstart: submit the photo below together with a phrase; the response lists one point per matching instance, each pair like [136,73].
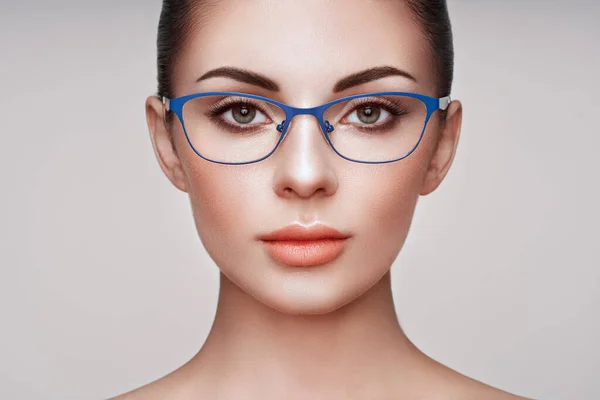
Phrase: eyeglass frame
[432,104]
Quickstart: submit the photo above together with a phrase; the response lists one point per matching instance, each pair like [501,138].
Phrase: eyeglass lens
[237,129]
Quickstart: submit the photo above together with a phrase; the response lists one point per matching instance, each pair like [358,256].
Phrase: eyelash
[393,108]
[219,108]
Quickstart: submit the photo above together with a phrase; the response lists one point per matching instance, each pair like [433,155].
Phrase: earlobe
[446,149]
[163,145]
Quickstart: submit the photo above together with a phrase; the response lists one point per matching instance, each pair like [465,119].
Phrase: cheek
[223,199]
[390,191]
[382,206]
[214,195]
[387,199]
[385,195]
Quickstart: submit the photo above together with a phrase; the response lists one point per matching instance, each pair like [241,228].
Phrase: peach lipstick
[300,246]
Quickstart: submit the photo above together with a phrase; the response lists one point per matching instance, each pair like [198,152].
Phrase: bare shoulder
[443,382]
[189,381]
[476,390]
[491,393]
[471,391]
[170,387]
[151,391]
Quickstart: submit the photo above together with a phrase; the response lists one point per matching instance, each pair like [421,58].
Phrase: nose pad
[328,127]
[280,126]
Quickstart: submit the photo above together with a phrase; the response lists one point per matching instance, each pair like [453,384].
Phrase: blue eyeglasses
[240,128]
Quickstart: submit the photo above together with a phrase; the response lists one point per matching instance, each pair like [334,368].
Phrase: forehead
[306,46]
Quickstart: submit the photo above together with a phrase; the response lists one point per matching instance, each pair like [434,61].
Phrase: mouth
[301,246]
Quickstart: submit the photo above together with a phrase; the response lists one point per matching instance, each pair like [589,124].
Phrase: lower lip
[305,253]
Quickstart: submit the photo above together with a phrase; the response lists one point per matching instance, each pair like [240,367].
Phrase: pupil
[243,114]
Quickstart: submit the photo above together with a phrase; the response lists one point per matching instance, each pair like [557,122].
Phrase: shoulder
[476,390]
[186,382]
[147,392]
[497,394]
[442,382]
[168,387]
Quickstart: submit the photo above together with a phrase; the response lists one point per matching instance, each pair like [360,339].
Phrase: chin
[305,303]
[309,291]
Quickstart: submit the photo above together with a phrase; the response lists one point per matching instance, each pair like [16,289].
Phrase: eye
[244,114]
[368,114]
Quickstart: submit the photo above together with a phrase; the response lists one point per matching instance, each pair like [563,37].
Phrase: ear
[162,142]
[446,149]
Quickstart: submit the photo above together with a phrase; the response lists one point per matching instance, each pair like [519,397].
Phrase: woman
[304,134]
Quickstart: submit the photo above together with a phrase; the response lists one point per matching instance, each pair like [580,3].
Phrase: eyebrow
[355,79]
[242,75]
[369,75]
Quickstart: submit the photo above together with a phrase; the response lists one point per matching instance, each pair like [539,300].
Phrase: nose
[304,161]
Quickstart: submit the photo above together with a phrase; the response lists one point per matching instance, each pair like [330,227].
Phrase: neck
[360,343]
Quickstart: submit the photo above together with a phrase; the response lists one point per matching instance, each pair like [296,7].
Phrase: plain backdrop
[105,286]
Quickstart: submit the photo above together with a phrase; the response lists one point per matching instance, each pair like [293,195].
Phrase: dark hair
[432,16]
[174,27]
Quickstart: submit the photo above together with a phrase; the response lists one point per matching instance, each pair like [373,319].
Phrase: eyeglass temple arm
[445,102]
[167,103]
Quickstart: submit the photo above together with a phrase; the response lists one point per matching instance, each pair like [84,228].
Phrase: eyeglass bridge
[328,126]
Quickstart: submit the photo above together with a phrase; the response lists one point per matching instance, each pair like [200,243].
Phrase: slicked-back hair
[175,25]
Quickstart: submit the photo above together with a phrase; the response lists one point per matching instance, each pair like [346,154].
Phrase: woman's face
[305,47]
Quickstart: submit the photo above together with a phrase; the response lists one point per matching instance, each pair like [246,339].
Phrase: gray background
[104,285]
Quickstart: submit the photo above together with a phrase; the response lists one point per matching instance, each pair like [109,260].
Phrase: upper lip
[300,232]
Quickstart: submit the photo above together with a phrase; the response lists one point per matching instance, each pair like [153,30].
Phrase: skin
[329,331]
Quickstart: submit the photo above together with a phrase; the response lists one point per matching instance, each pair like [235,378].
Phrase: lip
[301,246]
